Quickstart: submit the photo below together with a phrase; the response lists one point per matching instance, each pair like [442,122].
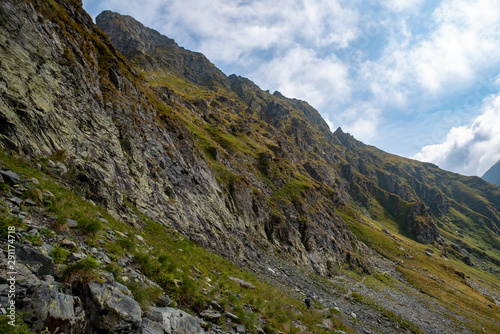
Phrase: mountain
[120,123]
[492,175]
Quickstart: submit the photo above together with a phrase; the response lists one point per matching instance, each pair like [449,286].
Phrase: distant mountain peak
[493,174]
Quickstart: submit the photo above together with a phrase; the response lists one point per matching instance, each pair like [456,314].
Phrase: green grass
[192,276]
[82,271]
[59,254]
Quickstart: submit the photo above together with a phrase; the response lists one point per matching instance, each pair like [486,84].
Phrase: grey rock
[210,315]
[243,284]
[16,200]
[231,315]
[240,329]
[77,256]
[174,320]
[164,301]
[22,272]
[45,249]
[33,231]
[33,258]
[33,180]
[103,257]
[10,177]
[68,244]
[110,308]
[71,223]
[151,327]
[48,308]
[30,202]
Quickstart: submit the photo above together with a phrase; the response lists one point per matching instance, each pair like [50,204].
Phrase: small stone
[163,301]
[62,167]
[33,231]
[30,202]
[71,223]
[354,315]
[51,164]
[210,315]
[33,180]
[48,194]
[68,244]
[104,220]
[243,284]
[104,258]
[139,237]
[120,234]
[240,329]
[77,256]
[231,316]
[15,200]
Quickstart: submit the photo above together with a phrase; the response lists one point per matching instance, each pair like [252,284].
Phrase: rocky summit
[144,191]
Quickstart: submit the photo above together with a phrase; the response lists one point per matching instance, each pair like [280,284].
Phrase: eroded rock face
[421,224]
[74,96]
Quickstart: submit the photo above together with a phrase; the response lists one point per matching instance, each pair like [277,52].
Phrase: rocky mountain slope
[133,122]
[492,175]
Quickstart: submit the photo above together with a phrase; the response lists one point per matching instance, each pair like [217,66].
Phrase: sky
[416,78]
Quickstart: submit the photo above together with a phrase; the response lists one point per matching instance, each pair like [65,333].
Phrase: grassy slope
[442,277]
[190,275]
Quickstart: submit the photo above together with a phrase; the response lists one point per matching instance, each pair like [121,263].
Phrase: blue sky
[415,78]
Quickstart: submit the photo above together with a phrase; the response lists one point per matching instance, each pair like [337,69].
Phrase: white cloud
[469,150]
[464,41]
[362,121]
[300,73]
[228,30]
[402,5]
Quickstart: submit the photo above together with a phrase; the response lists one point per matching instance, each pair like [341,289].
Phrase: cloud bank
[469,150]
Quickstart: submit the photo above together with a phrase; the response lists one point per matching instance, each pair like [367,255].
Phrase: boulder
[51,309]
[10,177]
[174,321]
[42,264]
[110,308]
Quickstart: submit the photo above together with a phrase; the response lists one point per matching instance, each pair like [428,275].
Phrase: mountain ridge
[258,178]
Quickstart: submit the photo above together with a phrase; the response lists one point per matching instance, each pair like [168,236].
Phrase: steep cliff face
[160,132]
[126,143]
[234,168]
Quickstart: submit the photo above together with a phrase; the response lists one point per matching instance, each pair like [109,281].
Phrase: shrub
[59,255]
[82,271]
[114,269]
[149,266]
[90,226]
[145,295]
[127,244]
